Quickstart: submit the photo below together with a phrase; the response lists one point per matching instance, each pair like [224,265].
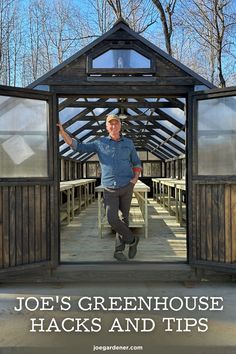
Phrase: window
[93,170]
[151,169]
[217,136]
[121,59]
[23,137]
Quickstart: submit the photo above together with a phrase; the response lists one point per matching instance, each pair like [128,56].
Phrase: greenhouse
[51,199]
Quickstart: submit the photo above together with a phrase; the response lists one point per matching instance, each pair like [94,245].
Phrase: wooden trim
[215,266]
[189,174]
[54,198]
[67,89]
[20,270]
[24,93]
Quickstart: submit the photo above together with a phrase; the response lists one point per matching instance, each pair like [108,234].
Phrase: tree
[210,23]
[10,41]
[56,30]
[138,14]
[166,11]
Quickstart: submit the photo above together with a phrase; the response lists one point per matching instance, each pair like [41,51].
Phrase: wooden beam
[87,125]
[123,80]
[158,125]
[115,90]
[118,104]
[129,117]
[165,116]
[160,136]
[136,131]
[170,119]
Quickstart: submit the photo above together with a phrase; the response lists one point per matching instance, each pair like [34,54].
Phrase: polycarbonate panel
[23,137]
[168,125]
[217,136]
[121,59]
[152,157]
[175,113]
[69,113]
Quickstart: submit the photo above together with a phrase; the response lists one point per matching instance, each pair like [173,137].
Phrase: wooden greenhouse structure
[183,127]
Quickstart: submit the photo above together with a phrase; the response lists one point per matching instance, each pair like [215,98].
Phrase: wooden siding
[166,74]
[214,222]
[25,233]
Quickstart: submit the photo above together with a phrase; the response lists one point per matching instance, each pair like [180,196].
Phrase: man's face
[113,126]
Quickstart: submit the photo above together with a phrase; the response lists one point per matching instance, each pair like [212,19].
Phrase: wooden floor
[166,241]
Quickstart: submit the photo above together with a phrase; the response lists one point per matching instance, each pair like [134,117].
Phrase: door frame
[193,178]
[49,183]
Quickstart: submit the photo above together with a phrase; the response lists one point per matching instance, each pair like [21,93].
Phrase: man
[121,167]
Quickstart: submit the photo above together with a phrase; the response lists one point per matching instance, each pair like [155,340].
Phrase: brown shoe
[133,248]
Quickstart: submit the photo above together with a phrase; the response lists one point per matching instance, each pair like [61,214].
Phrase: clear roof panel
[75,126]
[75,155]
[69,113]
[168,125]
[121,59]
[172,148]
[66,153]
[164,134]
[63,146]
[151,156]
[89,138]
[176,113]
[83,133]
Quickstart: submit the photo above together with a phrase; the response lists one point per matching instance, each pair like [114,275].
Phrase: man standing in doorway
[121,168]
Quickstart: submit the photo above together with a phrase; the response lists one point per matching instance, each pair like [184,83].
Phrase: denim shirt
[117,159]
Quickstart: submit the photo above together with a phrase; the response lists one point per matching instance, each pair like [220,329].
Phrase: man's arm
[75,145]
[137,171]
[64,135]
[137,167]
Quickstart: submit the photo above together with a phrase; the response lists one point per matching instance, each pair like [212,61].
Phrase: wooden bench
[163,193]
[78,193]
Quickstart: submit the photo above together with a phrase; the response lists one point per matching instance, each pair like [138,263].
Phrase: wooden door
[212,179]
[28,180]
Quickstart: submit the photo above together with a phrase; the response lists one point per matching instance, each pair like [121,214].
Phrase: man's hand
[64,135]
[134,180]
[137,171]
[61,129]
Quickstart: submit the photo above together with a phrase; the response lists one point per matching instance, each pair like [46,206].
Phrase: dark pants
[115,200]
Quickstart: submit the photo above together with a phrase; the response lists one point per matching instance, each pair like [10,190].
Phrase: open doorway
[157,127]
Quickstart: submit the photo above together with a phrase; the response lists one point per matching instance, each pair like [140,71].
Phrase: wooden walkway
[166,241]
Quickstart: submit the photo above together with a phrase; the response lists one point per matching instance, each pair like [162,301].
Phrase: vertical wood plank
[1,230]
[198,223]
[221,205]
[203,243]
[37,223]
[31,202]
[53,248]
[12,225]
[44,220]
[228,224]
[25,222]
[209,222]
[215,223]
[19,240]
[195,218]
[233,218]
[5,219]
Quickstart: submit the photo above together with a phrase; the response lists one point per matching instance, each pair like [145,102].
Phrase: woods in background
[37,35]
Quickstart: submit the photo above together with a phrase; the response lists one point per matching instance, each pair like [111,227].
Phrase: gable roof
[122,24]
